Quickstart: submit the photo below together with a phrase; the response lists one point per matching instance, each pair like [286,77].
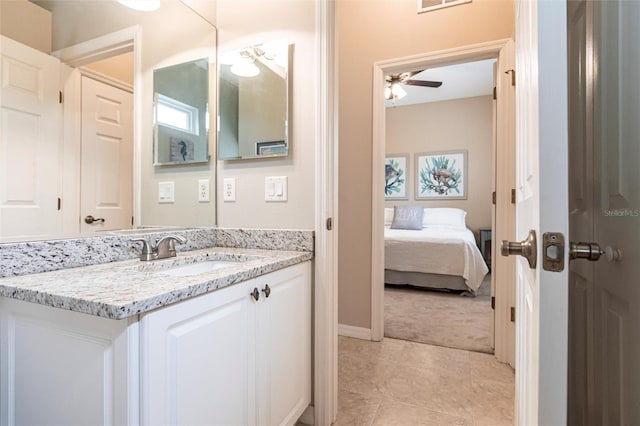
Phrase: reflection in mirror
[181,113]
[66,172]
[253,102]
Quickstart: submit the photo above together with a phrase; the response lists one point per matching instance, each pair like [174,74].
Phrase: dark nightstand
[485,245]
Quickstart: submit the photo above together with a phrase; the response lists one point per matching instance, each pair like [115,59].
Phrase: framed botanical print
[441,175]
[396,172]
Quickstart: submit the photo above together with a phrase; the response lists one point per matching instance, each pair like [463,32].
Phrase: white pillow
[388,216]
[454,218]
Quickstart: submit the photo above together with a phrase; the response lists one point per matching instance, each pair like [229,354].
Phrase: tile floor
[395,382]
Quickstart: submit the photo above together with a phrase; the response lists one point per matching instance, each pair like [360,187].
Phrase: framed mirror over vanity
[254,101]
[77,143]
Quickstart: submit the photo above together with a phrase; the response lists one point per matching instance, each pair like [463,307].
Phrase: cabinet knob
[266,291]
[255,294]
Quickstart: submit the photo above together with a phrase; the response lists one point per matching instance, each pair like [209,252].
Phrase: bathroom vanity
[219,335]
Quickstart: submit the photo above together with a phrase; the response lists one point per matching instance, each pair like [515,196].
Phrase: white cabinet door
[195,360]
[65,368]
[284,345]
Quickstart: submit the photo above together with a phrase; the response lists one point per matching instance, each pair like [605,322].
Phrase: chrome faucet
[164,248]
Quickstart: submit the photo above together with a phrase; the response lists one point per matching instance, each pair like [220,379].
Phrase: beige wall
[247,22]
[461,124]
[26,23]
[119,67]
[370,31]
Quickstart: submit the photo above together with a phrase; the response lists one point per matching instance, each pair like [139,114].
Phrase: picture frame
[441,175]
[396,172]
[271,148]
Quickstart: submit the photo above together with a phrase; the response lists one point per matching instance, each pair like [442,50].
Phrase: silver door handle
[593,252]
[527,249]
[90,219]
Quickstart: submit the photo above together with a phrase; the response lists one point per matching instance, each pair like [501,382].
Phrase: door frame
[102,47]
[504,51]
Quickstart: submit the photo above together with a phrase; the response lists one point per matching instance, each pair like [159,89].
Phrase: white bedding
[435,250]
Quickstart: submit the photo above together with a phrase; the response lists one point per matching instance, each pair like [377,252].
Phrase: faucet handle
[148,252]
[166,245]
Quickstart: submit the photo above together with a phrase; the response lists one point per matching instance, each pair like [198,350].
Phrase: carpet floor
[440,318]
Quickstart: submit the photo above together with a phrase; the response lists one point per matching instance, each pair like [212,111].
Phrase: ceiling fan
[393,90]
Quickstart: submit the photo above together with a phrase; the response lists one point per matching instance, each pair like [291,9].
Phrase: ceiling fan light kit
[394,90]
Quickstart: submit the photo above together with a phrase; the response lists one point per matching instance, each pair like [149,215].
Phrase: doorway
[437,277]
[502,51]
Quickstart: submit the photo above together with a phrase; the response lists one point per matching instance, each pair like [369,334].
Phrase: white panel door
[107,157]
[30,142]
[284,345]
[541,188]
[197,358]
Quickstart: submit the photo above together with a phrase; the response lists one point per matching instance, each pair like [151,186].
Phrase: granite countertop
[122,289]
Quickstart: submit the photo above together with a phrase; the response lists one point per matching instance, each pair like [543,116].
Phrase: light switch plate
[166,192]
[229,190]
[275,188]
[203,190]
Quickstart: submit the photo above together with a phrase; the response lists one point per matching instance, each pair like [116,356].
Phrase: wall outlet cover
[229,190]
[166,192]
[203,190]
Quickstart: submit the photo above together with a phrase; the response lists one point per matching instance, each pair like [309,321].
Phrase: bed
[442,254]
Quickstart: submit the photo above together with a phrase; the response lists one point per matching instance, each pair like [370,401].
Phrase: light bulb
[397,91]
[245,68]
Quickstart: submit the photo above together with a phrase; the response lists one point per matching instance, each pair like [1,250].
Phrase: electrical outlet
[203,190]
[229,190]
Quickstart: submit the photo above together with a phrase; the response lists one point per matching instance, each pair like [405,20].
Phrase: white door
[30,142]
[605,297]
[106,191]
[541,194]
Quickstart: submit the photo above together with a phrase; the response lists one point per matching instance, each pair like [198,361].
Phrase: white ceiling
[458,81]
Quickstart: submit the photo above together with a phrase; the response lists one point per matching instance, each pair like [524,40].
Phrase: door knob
[593,252]
[90,219]
[527,249]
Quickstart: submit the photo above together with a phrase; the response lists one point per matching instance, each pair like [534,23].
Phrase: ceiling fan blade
[422,83]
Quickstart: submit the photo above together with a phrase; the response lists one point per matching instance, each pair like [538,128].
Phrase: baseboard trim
[355,332]
[307,417]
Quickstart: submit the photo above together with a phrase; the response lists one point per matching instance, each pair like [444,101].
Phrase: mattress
[436,250]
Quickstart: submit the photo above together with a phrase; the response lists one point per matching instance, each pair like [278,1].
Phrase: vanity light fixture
[141,5]
[394,91]
[243,62]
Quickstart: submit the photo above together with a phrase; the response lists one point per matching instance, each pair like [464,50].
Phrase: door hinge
[513,76]
[513,196]
[493,303]
[513,314]
[495,92]
[329,224]
[493,197]
[59,203]
[131,220]
[60,96]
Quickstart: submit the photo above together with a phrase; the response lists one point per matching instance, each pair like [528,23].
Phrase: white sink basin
[199,268]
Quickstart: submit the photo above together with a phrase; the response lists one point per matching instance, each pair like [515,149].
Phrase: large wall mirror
[76,153]
[254,102]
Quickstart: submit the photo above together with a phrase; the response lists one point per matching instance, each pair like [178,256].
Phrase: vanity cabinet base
[223,358]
